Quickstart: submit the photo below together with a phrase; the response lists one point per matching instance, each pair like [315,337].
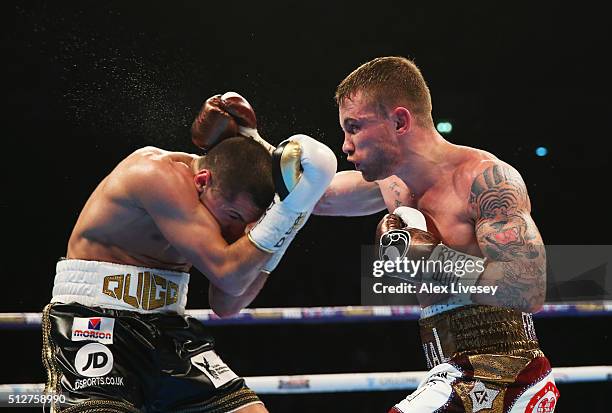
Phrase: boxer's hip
[150,361]
[497,341]
[482,358]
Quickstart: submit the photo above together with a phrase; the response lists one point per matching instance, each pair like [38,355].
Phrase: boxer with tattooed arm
[455,204]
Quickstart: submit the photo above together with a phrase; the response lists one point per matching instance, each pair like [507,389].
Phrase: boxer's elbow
[534,308]
[222,305]
[223,311]
[513,286]
[527,304]
[539,295]
[226,314]
[533,299]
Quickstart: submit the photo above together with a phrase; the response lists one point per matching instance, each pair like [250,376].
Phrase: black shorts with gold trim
[123,361]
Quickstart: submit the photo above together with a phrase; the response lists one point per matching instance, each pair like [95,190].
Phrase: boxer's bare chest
[445,209]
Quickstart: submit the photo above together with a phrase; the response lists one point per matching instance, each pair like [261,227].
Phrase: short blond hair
[390,81]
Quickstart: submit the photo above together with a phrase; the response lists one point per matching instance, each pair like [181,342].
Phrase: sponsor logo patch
[93,360]
[215,369]
[544,400]
[98,329]
[394,245]
[98,381]
[294,383]
[482,397]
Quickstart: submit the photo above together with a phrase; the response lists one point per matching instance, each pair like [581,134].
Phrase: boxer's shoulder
[475,165]
[494,173]
[471,161]
[489,179]
[150,171]
[153,154]
[148,151]
[155,161]
[142,160]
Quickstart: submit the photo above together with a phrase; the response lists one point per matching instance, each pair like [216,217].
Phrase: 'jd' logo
[96,360]
[93,360]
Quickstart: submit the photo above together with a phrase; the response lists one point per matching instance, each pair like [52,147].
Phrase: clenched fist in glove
[288,213]
[222,117]
[436,269]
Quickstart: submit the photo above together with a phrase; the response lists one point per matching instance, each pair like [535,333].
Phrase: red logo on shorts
[544,400]
[94,324]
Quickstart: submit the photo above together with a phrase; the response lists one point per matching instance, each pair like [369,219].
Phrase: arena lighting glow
[444,127]
[541,151]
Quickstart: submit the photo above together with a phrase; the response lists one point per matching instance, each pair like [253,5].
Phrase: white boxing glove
[288,213]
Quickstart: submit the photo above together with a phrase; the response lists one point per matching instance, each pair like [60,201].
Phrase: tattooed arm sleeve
[509,240]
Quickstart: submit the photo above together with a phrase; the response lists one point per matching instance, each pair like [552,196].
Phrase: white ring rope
[349,382]
[295,315]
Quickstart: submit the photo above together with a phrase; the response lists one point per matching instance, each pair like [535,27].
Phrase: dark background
[86,83]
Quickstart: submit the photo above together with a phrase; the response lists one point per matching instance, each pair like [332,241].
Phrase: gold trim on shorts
[479,329]
[48,356]
[499,342]
[228,403]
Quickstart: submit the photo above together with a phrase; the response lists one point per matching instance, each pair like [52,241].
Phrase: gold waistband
[478,329]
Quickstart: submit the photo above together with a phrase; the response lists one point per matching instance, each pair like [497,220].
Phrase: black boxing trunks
[482,359]
[115,340]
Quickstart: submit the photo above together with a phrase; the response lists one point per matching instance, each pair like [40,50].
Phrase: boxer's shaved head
[388,82]
[241,165]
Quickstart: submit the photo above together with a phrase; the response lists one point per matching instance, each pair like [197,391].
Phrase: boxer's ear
[202,178]
[402,119]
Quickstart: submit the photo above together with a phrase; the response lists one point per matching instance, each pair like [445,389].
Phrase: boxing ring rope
[341,382]
[347,314]
[351,382]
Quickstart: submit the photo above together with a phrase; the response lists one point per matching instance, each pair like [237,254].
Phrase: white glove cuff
[276,257]
[451,266]
[275,226]
[412,217]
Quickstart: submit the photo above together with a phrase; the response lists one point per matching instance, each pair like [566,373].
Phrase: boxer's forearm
[225,305]
[350,195]
[235,268]
[521,284]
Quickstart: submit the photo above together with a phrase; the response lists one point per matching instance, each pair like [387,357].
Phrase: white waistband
[437,309]
[120,287]
[454,301]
